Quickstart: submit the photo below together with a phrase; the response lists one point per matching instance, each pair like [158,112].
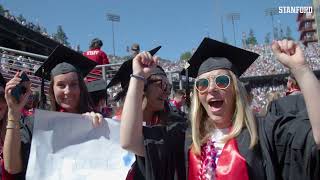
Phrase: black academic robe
[289,140]
[164,146]
[288,104]
[285,148]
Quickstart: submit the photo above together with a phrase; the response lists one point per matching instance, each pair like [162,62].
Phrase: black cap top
[123,74]
[64,60]
[98,85]
[212,54]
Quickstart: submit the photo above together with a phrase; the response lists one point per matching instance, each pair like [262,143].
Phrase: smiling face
[157,92]
[218,103]
[66,90]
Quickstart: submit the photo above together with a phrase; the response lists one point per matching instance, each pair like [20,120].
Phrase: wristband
[13,121]
[13,126]
[141,78]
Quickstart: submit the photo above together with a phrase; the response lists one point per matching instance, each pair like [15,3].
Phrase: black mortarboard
[61,61]
[123,74]
[96,86]
[64,60]
[212,54]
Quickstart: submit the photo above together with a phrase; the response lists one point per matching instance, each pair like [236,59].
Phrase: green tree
[252,38]
[289,33]
[267,38]
[185,56]
[2,10]
[61,36]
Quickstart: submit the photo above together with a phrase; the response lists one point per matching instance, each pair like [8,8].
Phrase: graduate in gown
[148,128]
[65,69]
[228,142]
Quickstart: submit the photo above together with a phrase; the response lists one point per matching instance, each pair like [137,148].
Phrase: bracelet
[14,121]
[13,126]
[139,78]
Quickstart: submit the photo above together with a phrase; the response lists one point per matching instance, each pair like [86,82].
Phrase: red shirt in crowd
[175,104]
[97,55]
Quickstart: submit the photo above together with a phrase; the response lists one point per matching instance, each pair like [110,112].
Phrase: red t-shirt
[97,55]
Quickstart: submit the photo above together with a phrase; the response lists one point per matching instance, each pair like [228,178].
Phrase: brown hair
[84,104]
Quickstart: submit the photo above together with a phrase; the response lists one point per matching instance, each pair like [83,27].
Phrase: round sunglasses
[220,81]
[165,86]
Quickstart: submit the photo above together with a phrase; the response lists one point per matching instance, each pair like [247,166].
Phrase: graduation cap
[64,60]
[97,90]
[123,75]
[212,54]
[97,86]
[61,61]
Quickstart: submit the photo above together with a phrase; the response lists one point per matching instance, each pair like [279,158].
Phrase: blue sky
[177,25]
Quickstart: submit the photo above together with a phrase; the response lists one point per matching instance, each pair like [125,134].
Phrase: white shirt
[217,136]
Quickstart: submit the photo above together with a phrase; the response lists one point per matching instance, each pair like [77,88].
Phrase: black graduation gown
[289,104]
[286,142]
[289,140]
[286,147]
[164,146]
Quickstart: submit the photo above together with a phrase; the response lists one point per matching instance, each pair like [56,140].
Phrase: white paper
[66,146]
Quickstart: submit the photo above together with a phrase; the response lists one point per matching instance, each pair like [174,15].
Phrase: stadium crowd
[265,65]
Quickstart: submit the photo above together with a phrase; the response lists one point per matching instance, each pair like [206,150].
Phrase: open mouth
[215,104]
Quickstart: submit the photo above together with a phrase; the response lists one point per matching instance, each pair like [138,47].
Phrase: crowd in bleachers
[28,24]
[265,65]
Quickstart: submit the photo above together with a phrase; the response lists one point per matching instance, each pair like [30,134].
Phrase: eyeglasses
[165,86]
[220,81]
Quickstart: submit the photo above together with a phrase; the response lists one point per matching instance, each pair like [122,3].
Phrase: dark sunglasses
[166,87]
[220,81]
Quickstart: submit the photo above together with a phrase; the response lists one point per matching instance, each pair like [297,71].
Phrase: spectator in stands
[292,86]
[178,100]
[159,147]
[292,103]
[135,49]
[95,53]
[67,92]
[272,96]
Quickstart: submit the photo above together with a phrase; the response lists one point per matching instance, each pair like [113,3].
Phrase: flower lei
[208,158]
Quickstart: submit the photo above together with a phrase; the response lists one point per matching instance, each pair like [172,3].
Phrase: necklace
[208,158]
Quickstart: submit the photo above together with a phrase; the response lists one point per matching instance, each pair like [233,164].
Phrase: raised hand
[143,64]
[289,54]
[13,104]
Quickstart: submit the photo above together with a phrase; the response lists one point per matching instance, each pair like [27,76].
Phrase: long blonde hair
[242,117]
